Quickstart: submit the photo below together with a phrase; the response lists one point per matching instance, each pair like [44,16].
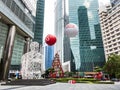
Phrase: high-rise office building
[84,13]
[39,22]
[86,48]
[110,26]
[114,2]
[62,45]
[73,6]
[59,27]
[91,50]
[49,56]
[16,28]
[31,4]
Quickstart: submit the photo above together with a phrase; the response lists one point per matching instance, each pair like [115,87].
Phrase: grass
[82,80]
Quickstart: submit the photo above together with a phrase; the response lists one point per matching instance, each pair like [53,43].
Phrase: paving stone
[65,86]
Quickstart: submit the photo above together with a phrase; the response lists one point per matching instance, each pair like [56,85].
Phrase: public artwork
[31,63]
[71,30]
[50,39]
[56,65]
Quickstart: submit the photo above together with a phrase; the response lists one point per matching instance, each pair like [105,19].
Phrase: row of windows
[115,7]
[112,45]
[111,33]
[116,49]
[112,41]
[19,13]
[3,36]
[108,54]
[110,19]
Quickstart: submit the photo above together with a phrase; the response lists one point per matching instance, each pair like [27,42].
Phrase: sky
[49,16]
[104,1]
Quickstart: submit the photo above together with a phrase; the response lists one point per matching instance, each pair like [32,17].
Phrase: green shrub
[82,80]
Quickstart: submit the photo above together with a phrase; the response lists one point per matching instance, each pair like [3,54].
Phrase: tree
[47,72]
[117,75]
[69,74]
[112,66]
[97,69]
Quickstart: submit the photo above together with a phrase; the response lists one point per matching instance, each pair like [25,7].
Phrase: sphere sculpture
[50,39]
[71,30]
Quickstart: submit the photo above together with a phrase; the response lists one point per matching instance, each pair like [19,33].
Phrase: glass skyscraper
[62,45]
[59,27]
[74,41]
[91,50]
[38,33]
[49,56]
[87,47]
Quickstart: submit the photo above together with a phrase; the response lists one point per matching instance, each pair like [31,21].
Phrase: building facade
[39,23]
[74,42]
[91,45]
[59,27]
[16,29]
[31,4]
[49,56]
[62,45]
[114,2]
[110,26]
[87,47]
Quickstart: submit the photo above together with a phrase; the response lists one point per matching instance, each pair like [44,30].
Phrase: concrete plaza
[65,86]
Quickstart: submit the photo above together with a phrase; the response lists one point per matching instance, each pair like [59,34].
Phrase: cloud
[86,4]
[90,14]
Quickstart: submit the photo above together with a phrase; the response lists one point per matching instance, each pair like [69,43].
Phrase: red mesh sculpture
[56,65]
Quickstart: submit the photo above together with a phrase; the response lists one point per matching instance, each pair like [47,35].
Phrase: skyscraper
[86,48]
[110,27]
[49,56]
[16,29]
[63,42]
[59,27]
[114,2]
[38,33]
[74,42]
[90,38]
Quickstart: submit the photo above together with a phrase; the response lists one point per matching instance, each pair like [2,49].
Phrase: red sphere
[50,39]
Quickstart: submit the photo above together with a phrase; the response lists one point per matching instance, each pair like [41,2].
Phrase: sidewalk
[2,82]
[64,86]
[116,82]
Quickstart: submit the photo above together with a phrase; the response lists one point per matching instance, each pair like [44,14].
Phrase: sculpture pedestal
[40,82]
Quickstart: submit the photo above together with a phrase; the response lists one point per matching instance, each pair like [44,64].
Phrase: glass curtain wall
[87,46]
[38,33]
[91,45]
[17,52]
[3,36]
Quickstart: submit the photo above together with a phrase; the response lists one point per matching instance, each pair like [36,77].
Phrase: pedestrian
[17,74]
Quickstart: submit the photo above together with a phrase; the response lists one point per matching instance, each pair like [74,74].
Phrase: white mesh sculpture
[32,62]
